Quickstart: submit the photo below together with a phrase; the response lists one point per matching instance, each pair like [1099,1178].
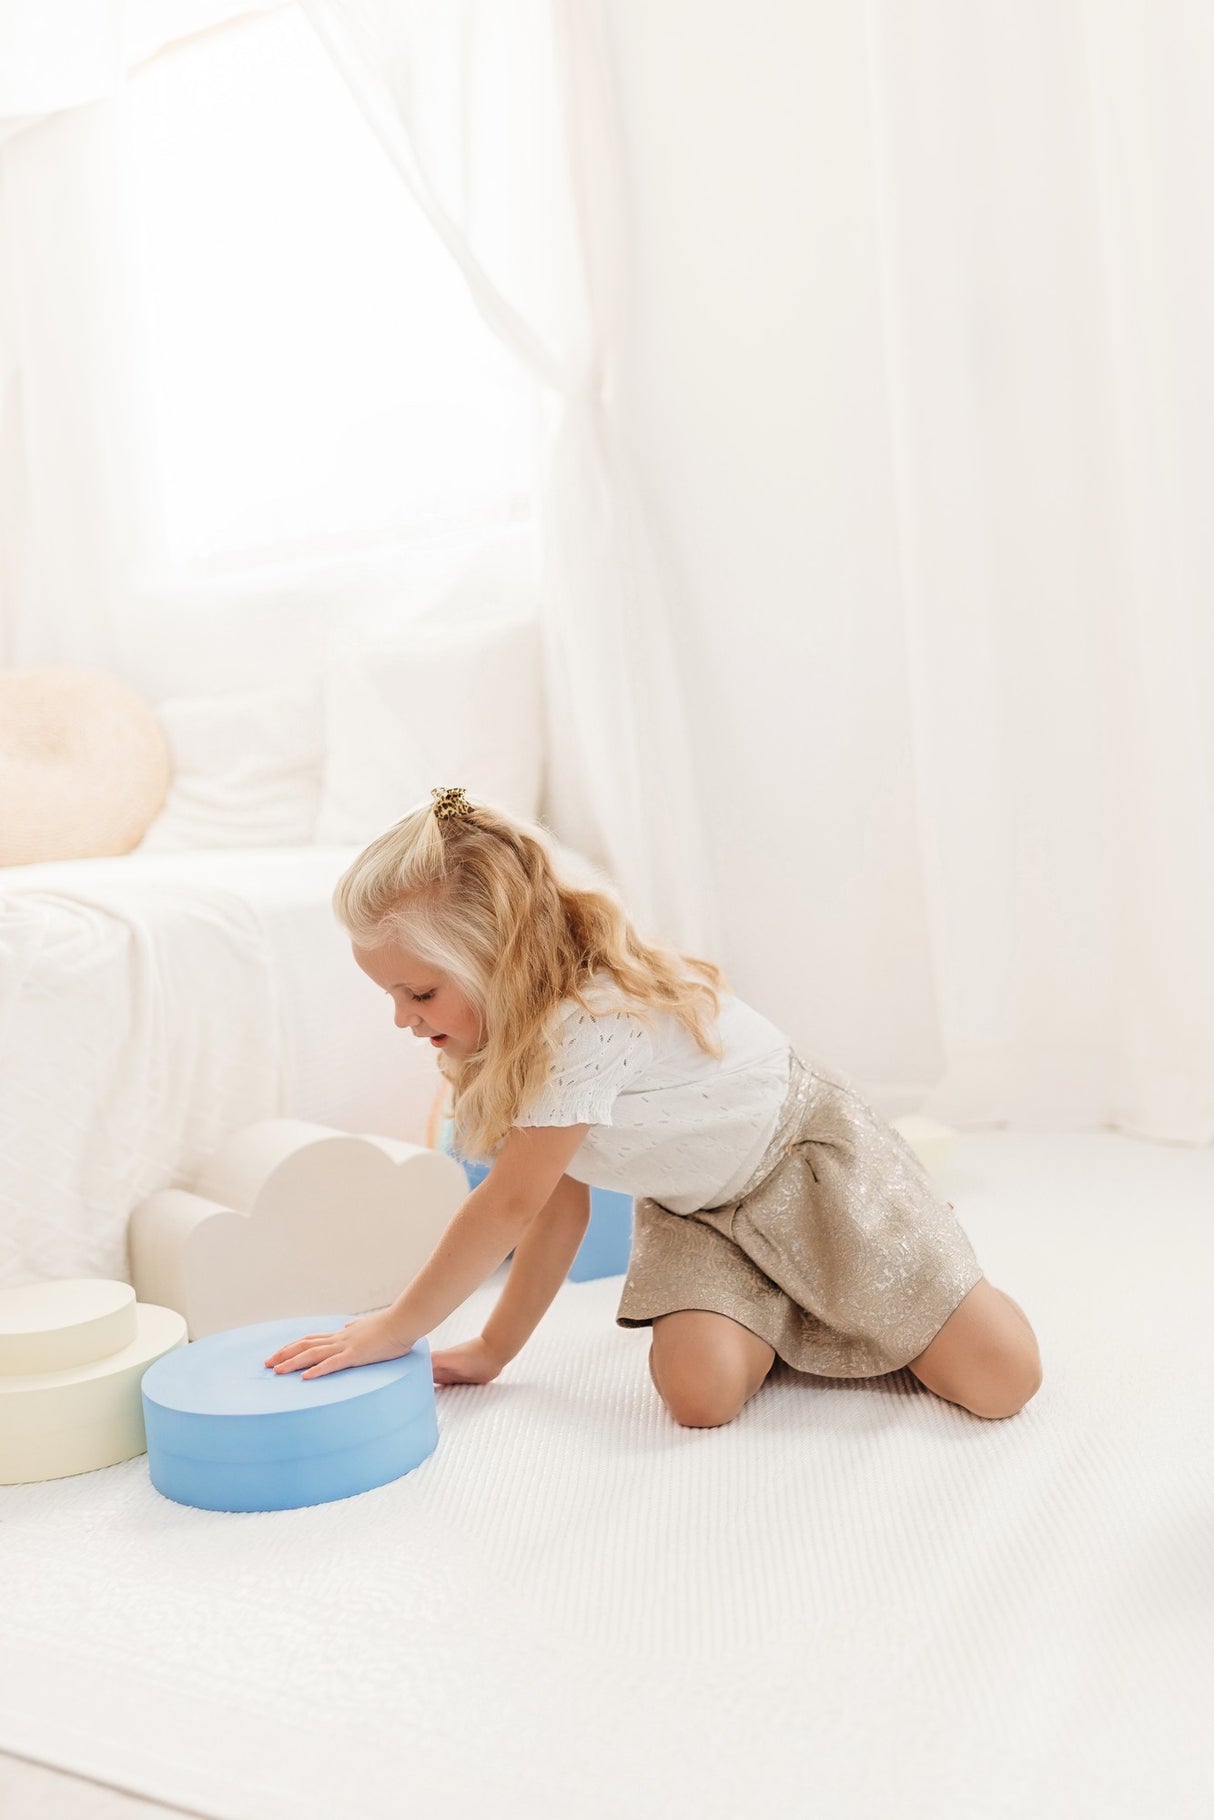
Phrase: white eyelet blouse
[667,1120]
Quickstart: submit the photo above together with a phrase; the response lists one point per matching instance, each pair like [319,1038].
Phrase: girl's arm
[541,1263]
[487,1226]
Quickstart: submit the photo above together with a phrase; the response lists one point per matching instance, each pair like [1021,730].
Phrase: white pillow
[436,702]
[246,771]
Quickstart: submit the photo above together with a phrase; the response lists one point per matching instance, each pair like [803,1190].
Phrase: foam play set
[284,1217]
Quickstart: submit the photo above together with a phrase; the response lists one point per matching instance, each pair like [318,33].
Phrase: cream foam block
[287,1217]
[72,1359]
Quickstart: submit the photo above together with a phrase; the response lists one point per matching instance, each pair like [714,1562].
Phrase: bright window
[312,375]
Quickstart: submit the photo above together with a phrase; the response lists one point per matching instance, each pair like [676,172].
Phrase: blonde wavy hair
[480,897]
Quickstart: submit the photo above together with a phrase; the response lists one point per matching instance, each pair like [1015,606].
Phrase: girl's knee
[985,1357]
[1010,1397]
[692,1406]
[698,1397]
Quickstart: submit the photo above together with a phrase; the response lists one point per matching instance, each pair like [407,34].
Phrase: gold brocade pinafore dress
[839,1252]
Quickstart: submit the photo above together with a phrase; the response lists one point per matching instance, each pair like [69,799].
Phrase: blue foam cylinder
[227,1432]
[604,1250]
[608,1241]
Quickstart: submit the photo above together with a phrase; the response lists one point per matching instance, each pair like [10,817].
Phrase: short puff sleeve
[598,1058]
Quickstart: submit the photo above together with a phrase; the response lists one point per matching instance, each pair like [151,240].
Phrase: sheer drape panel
[1151,76]
[69,475]
[1035,238]
[57,54]
[499,120]
[1044,207]
[68,456]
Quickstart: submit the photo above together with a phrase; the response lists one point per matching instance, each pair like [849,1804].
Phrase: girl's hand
[363,1341]
[471,1363]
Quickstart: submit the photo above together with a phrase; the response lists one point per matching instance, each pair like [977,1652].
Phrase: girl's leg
[705,1366]
[1019,1310]
[985,1357]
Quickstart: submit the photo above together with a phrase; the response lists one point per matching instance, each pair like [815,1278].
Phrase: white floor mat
[856,1600]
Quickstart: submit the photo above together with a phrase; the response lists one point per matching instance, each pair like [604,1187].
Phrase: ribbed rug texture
[855,1600]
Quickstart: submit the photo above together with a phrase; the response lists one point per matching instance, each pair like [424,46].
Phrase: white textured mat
[855,1600]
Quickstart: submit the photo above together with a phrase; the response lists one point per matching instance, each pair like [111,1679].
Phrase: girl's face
[427,1001]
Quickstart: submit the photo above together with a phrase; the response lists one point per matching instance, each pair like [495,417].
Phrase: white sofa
[152,1002]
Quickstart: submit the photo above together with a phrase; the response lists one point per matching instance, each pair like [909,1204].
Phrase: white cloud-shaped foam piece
[287,1217]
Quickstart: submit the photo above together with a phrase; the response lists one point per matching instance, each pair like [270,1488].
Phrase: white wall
[756,311]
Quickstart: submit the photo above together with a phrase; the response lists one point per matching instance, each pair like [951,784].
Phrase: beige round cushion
[84,765]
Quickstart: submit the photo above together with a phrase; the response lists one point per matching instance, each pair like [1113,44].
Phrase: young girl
[775,1214]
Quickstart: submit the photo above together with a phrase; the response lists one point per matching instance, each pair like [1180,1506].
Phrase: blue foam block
[604,1250]
[227,1432]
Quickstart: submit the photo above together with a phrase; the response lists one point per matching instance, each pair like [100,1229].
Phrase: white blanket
[134,1032]
[151,1003]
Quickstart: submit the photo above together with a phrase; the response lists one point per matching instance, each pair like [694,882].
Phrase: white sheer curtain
[65,425]
[963,819]
[58,54]
[932,452]
[1045,204]
[69,477]
[499,119]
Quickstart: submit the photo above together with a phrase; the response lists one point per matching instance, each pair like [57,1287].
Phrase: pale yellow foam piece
[55,1326]
[287,1217]
[55,1423]
[932,1142]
